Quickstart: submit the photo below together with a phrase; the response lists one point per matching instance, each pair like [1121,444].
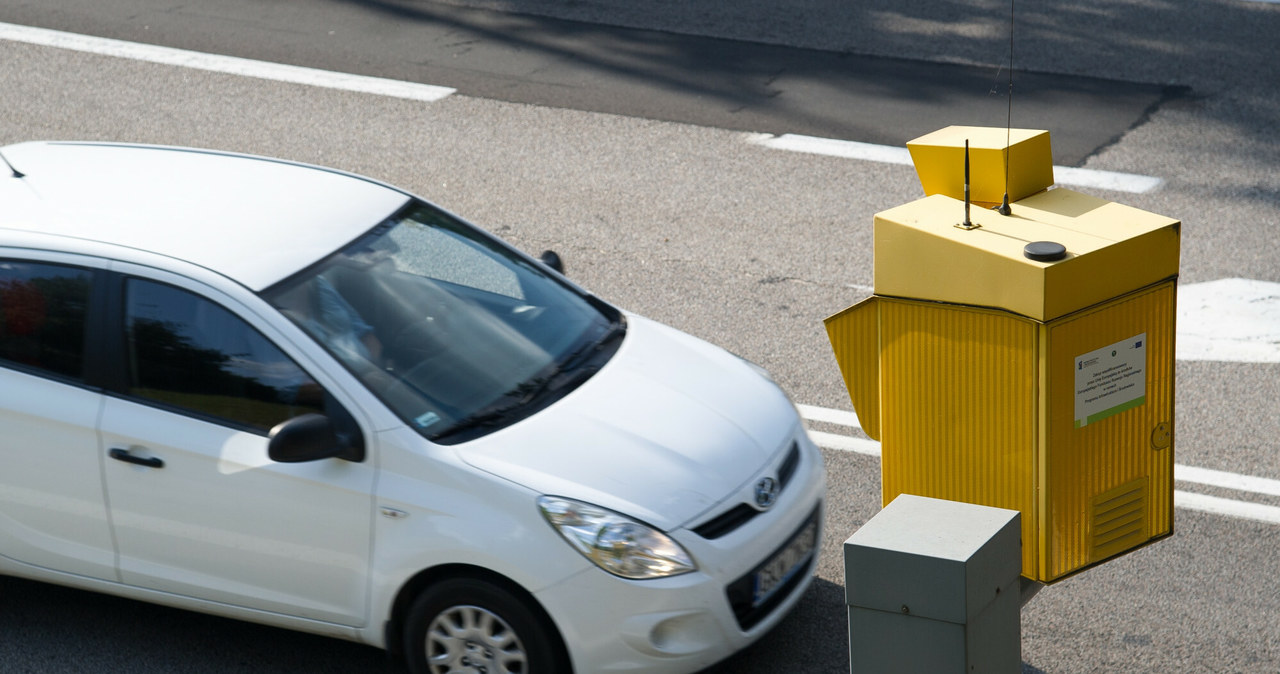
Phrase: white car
[300,397]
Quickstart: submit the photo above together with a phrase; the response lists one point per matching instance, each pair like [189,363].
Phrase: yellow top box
[1111,249]
[939,160]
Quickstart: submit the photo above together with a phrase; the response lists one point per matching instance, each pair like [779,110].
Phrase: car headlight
[614,542]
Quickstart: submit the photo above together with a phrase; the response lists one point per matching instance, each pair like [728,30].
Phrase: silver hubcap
[473,640]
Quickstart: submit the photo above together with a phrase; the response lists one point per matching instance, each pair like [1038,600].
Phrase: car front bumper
[689,622]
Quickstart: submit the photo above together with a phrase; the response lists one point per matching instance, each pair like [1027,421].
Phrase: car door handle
[123,455]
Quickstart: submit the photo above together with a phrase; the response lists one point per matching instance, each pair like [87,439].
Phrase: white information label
[1111,380]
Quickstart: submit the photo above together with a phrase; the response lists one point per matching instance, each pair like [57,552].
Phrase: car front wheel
[466,625]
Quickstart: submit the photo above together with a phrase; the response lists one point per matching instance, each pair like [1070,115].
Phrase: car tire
[470,625]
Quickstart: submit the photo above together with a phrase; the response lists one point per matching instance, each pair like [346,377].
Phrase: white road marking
[1063,175]
[830,416]
[1186,500]
[1234,319]
[845,443]
[1106,180]
[1217,478]
[1223,506]
[846,149]
[224,64]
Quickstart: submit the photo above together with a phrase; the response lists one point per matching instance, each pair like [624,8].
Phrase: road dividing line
[1186,500]
[1105,180]
[1223,506]
[839,417]
[223,64]
[1063,175]
[1224,480]
[846,149]
[845,443]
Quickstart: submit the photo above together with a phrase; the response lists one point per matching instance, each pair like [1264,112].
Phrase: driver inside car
[336,323]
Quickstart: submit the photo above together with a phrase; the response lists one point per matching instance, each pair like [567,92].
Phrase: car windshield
[457,333]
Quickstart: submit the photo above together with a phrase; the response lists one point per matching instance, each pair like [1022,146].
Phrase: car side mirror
[311,437]
[552,259]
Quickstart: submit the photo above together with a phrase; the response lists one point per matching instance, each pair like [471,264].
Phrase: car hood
[667,429]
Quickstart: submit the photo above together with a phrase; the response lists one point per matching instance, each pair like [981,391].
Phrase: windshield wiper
[480,419]
[523,394]
[551,379]
[494,414]
[615,330]
[565,375]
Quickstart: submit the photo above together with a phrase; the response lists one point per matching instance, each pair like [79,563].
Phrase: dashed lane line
[1224,506]
[223,64]
[1063,175]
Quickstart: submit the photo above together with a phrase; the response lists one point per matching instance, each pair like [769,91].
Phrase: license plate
[786,563]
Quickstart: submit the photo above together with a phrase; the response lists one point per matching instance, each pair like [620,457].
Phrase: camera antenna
[1003,208]
[16,172]
[967,224]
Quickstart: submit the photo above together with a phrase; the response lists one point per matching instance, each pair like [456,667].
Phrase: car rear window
[42,316]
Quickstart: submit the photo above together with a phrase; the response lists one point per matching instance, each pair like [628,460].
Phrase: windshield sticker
[1111,380]
[425,420]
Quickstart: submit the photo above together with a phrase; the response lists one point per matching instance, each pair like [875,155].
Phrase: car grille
[788,468]
[731,519]
[741,591]
[726,522]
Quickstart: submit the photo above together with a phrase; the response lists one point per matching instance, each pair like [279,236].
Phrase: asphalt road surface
[620,134]
[543,60]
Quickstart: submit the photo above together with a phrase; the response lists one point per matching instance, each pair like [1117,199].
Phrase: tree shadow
[660,72]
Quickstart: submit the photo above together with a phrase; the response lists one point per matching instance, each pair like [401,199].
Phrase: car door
[52,512]
[198,509]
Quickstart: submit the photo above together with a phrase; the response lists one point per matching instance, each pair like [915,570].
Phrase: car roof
[252,219]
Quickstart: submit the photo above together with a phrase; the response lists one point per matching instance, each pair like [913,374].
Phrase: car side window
[186,351]
[42,316]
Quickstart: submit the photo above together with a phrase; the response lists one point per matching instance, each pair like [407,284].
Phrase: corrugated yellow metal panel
[855,338]
[1040,386]
[1108,469]
[958,407]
